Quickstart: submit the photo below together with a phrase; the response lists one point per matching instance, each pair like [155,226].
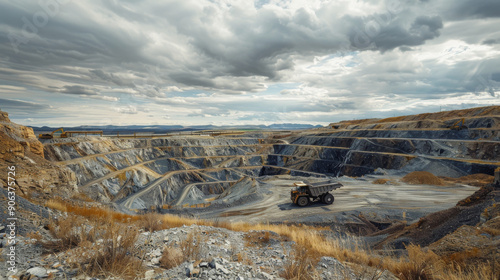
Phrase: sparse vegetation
[310,246]
[115,255]
[301,264]
[171,257]
[69,232]
[257,238]
[151,222]
[192,246]
[190,249]
[420,265]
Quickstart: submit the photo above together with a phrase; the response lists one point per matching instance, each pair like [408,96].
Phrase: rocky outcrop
[33,174]
[4,117]
[19,140]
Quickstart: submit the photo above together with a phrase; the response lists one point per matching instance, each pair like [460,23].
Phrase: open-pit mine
[428,179]
[249,176]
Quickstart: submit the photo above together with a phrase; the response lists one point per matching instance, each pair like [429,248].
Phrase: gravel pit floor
[359,196]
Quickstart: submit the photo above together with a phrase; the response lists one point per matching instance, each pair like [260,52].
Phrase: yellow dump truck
[304,193]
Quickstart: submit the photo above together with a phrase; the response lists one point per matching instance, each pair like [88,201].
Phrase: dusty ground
[383,202]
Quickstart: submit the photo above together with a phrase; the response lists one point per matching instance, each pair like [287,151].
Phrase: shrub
[422,265]
[171,257]
[300,264]
[151,222]
[115,256]
[69,232]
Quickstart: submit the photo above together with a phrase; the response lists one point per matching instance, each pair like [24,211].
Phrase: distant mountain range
[158,129]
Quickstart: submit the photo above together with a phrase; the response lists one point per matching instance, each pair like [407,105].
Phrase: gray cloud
[79,90]
[333,55]
[491,41]
[386,36]
[12,104]
[112,78]
[461,9]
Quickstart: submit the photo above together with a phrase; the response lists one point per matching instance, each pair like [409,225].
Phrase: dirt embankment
[467,230]
[422,178]
[474,117]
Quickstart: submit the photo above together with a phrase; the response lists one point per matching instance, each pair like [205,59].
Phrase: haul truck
[304,193]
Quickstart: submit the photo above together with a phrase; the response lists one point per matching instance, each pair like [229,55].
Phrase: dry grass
[151,222]
[171,257]
[36,236]
[115,255]
[421,265]
[464,257]
[301,264]
[480,272]
[92,213]
[81,197]
[193,246]
[311,245]
[69,232]
[190,249]
[243,258]
[257,238]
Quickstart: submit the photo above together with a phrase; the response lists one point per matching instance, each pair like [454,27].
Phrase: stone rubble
[223,254]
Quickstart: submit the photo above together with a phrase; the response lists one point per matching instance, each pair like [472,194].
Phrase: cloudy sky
[68,62]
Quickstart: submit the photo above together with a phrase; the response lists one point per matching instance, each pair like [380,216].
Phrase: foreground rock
[225,254]
[214,253]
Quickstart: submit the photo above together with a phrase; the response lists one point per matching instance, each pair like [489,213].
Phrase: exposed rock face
[497,177]
[19,140]
[158,171]
[20,148]
[485,117]
[4,117]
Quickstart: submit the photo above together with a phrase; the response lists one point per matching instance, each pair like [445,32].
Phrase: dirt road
[357,196]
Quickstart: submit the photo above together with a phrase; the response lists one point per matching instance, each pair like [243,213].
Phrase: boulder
[39,272]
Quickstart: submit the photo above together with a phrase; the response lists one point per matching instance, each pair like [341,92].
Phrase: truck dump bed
[319,188]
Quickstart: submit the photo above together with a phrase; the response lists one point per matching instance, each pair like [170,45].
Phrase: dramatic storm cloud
[65,62]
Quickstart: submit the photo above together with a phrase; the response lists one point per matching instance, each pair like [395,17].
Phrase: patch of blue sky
[326,59]
[277,88]
[188,93]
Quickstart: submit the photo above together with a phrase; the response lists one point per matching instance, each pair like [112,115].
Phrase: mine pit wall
[112,169]
[497,178]
[444,148]
[464,134]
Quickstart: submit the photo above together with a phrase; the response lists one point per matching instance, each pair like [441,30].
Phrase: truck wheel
[302,201]
[328,198]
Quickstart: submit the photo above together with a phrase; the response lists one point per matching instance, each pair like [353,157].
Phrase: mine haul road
[403,201]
